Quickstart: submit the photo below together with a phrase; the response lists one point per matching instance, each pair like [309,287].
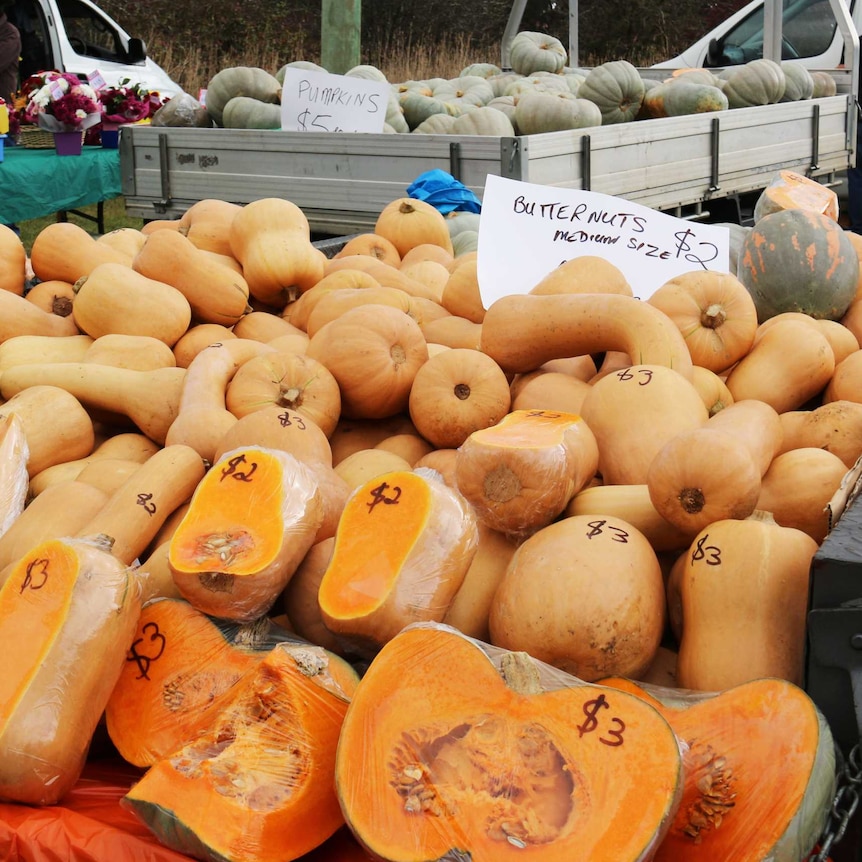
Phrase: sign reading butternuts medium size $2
[321,102]
[527,230]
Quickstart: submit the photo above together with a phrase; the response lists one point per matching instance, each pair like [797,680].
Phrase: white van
[809,34]
[76,36]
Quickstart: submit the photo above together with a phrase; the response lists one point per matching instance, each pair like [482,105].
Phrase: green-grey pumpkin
[532,52]
[234,81]
[243,112]
[757,82]
[617,88]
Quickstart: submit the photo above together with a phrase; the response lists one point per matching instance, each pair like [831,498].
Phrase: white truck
[694,166]
[76,36]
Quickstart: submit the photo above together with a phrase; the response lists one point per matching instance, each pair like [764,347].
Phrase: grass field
[114,214]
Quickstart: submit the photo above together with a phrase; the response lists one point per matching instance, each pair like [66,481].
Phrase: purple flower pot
[68,143]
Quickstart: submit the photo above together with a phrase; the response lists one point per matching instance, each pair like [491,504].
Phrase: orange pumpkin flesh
[751,791]
[258,784]
[402,548]
[179,671]
[251,520]
[440,758]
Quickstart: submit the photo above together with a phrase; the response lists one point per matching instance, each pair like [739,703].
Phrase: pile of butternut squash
[258,435]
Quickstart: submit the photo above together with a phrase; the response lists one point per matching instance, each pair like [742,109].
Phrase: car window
[89,33]
[808,27]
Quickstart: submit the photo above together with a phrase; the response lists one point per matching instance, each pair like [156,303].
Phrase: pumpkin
[485,120]
[788,365]
[127,240]
[55,296]
[757,82]
[584,594]
[520,473]
[65,251]
[179,670]
[712,388]
[202,417]
[455,393]
[408,222]
[246,112]
[824,84]
[537,113]
[233,81]
[55,424]
[744,583]
[374,352]
[797,489]
[366,464]
[207,224]
[549,390]
[14,257]
[142,502]
[19,317]
[468,760]
[792,190]
[531,52]
[373,245]
[714,472]
[286,379]
[521,332]
[26,349]
[139,352]
[617,88]
[216,293]
[682,98]
[196,338]
[630,503]
[251,520]
[835,427]
[258,783]
[843,385]
[264,326]
[14,477]
[799,260]
[749,792]
[715,314]
[586,273]
[57,512]
[402,548]
[411,447]
[271,238]
[79,605]
[115,299]
[150,399]
[665,404]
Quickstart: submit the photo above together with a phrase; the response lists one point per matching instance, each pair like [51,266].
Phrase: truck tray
[343,180]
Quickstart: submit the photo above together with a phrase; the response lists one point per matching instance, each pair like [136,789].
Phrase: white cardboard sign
[321,102]
[528,230]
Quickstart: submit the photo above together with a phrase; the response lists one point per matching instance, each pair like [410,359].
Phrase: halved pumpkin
[750,792]
[443,757]
[257,785]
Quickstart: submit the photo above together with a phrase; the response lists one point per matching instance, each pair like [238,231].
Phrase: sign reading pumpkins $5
[528,230]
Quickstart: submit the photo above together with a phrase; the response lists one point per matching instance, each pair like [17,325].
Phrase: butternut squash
[65,251]
[19,317]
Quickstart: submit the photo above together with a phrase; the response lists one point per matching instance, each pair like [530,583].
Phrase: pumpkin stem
[520,673]
[290,397]
[398,354]
[61,306]
[407,208]
[713,316]
[692,500]
[462,391]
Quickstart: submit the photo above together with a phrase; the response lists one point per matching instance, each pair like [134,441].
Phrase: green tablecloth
[35,183]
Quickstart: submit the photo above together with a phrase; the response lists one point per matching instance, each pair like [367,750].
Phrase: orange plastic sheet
[88,825]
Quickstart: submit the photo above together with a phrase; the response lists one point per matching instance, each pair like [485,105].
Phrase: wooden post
[340,28]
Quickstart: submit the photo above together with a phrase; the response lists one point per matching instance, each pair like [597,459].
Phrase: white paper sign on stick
[528,230]
[321,102]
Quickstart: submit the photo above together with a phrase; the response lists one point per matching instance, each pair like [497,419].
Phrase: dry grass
[193,65]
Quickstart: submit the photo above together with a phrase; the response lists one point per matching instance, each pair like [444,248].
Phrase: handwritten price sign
[320,102]
[528,230]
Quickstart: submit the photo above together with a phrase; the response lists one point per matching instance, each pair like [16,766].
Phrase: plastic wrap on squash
[182,110]
[251,520]
[454,749]
[790,190]
[257,784]
[520,473]
[404,543]
[180,670]
[760,771]
[14,478]
[68,610]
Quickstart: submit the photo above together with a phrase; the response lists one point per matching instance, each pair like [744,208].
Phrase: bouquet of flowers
[128,102]
[59,102]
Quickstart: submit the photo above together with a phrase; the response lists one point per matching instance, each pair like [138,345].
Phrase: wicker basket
[34,138]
